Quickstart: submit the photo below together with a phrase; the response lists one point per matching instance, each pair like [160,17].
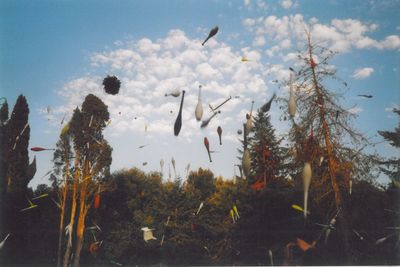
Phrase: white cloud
[362,73]
[340,35]
[247,3]
[150,68]
[355,110]
[286,4]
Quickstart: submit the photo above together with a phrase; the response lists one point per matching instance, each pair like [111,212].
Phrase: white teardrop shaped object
[307,174]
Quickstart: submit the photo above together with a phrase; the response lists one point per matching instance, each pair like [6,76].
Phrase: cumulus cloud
[286,4]
[150,68]
[340,35]
[362,73]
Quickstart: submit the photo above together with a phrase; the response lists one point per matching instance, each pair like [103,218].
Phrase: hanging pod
[292,102]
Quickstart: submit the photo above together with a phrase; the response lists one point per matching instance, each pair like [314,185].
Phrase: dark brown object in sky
[178,121]
[219,131]
[211,34]
[207,145]
[366,96]
[111,85]
[267,106]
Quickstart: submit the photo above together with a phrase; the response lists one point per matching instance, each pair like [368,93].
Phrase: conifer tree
[265,152]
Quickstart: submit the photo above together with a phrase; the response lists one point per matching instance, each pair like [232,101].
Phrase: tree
[391,167]
[265,152]
[62,157]
[95,160]
[92,162]
[319,134]
[19,171]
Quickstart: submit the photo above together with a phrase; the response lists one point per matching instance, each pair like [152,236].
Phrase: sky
[57,52]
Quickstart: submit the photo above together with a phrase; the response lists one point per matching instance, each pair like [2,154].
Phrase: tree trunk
[73,208]
[62,212]
[83,208]
[342,217]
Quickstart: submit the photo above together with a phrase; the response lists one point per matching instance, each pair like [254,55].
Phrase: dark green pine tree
[19,171]
[391,167]
[265,152]
[3,146]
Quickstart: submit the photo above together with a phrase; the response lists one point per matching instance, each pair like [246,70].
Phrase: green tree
[265,152]
[19,171]
[391,167]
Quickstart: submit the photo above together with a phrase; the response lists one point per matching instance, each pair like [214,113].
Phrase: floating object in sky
[48,109]
[38,149]
[206,122]
[321,159]
[292,101]
[329,229]
[257,186]
[267,106]
[366,96]
[200,207]
[65,129]
[4,241]
[303,245]
[236,212]
[246,161]
[94,227]
[97,201]
[219,131]
[220,105]
[298,208]
[62,121]
[244,59]
[207,145]
[240,170]
[291,69]
[91,121]
[116,263]
[358,235]
[47,173]
[383,239]
[169,171]
[211,34]
[350,186]
[17,138]
[312,63]
[307,174]
[94,247]
[173,165]
[111,85]
[145,128]
[142,146]
[68,232]
[239,132]
[162,165]
[40,196]
[231,212]
[178,121]
[144,163]
[174,93]
[148,234]
[199,107]
[275,81]
[270,257]
[249,117]
[31,206]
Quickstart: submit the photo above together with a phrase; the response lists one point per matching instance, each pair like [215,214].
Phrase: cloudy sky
[56,52]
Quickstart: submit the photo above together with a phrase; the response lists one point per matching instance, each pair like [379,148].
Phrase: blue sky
[55,52]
